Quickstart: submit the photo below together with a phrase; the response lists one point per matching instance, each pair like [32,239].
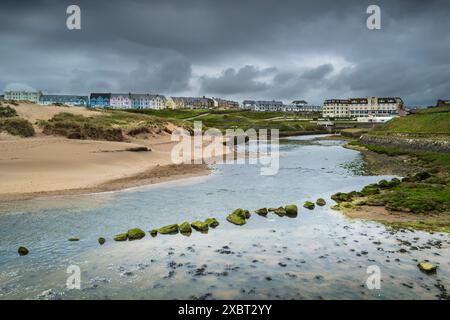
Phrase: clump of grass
[111,125]
[17,127]
[7,112]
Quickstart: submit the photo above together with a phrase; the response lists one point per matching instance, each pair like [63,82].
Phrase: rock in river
[73,239]
[185,228]
[200,226]
[262,212]
[235,219]
[427,267]
[22,251]
[321,202]
[291,210]
[212,222]
[135,234]
[101,240]
[170,229]
[153,232]
[309,205]
[121,237]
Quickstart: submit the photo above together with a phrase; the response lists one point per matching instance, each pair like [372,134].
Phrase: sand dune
[54,165]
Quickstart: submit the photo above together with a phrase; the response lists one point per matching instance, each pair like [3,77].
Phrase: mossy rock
[121,237]
[427,267]
[212,222]
[346,205]
[291,210]
[200,226]
[321,202]
[370,190]
[262,212]
[384,184]
[335,207]
[185,228]
[244,214]
[73,239]
[395,182]
[309,205]
[135,234]
[170,229]
[22,251]
[101,241]
[153,232]
[422,176]
[235,219]
[272,209]
[341,196]
[281,212]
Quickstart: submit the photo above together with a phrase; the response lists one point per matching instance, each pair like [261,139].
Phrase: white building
[301,106]
[363,109]
[148,101]
[32,96]
[263,105]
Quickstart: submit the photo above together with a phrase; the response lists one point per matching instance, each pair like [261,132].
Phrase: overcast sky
[258,49]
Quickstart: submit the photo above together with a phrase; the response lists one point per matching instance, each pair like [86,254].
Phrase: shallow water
[319,254]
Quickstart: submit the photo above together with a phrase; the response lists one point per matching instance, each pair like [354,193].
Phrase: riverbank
[420,201]
[44,166]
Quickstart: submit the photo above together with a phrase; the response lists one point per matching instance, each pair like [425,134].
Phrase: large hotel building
[363,109]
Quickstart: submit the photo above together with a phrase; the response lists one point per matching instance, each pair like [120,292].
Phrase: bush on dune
[17,127]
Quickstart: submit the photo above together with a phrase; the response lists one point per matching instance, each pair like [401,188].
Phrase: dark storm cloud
[244,80]
[312,49]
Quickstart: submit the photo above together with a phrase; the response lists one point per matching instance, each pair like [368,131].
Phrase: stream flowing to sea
[320,254]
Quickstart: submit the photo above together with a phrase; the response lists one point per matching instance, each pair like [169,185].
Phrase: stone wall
[420,144]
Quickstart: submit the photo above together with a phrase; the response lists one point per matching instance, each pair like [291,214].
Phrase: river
[321,254]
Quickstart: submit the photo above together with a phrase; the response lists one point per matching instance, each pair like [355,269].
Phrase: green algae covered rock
[309,205]
[170,229]
[73,239]
[200,226]
[101,240]
[281,212]
[236,219]
[212,222]
[121,237]
[291,210]
[262,212]
[153,232]
[22,251]
[427,267]
[369,190]
[244,214]
[135,234]
[321,202]
[185,228]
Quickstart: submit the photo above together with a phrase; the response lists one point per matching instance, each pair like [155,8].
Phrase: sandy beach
[49,165]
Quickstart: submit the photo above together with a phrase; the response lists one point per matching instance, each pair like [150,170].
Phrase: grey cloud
[160,45]
[244,80]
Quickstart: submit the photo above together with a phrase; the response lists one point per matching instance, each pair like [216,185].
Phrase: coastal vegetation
[110,125]
[17,126]
[288,123]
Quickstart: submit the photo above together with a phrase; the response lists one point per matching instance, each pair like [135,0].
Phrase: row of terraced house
[122,100]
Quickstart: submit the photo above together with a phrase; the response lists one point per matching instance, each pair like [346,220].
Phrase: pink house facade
[121,101]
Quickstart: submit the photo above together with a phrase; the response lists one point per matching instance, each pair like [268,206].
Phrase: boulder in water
[427,267]
[262,212]
[170,229]
[101,240]
[200,226]
[291,210]
[309,205]
[121,237]
[135,234]
[321,202]
[212,222]
[185,228]
[22,251]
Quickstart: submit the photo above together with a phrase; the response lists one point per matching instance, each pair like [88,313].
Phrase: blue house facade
[100,100]
[68,100]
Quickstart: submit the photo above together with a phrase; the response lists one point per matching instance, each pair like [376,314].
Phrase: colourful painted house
[100,100]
